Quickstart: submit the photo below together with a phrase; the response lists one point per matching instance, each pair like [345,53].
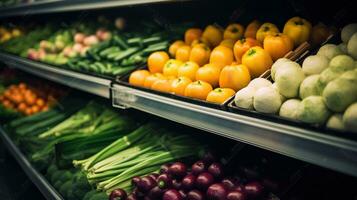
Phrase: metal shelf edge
[55,6]
[314,147]
[87,83]
[41,183]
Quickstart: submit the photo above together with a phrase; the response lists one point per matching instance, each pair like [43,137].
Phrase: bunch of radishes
[83,42]
[205,180]
[80,46]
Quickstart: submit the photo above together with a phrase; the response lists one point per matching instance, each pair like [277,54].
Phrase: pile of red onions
[205,180]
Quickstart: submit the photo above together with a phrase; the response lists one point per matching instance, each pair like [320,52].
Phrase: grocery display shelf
[55,6]
[311,146]
[38,179]
[87,83]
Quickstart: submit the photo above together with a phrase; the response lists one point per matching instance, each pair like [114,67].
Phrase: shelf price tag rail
[87,83]
[38,179]
[311,146]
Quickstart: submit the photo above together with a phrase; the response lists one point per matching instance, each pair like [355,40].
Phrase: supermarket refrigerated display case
[320,147]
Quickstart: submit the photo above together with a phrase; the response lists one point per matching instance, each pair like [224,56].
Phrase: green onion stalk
[140,152]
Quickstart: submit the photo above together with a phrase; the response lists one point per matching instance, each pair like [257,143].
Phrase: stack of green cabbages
[323,91]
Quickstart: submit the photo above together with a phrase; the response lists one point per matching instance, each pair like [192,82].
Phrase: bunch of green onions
[140,152]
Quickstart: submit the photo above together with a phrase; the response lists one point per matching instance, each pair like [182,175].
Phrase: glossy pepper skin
[298,29]
[278,45]
[266,29]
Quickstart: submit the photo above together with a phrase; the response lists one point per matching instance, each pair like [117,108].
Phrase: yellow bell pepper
[298,29]
[266,29]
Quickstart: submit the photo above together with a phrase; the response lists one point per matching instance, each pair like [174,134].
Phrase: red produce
[229,183]
[131,197]
[216,192]
[198,167]
[236,195]
[156,193]
[177,170]
[195,195]
[172,195]
[135,181]
[176,184]
[164,169]
[118,194]
[146,184]
[164,181]
[216,170]
[204,180]
[254,189]
[188,182]
[183,194]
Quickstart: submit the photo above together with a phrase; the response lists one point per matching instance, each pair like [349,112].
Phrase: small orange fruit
[157,60]
[192,34]
[22,107]
[242,45]
[162,85]
[200,54]
[183,53]
[179,85]
[235,77]
[209,73]
[278,45]
[220,95]
[252,28]
[198,90]
[174,46]
[40,102]
[213,34]
[149,80]
[227,43]
[200,41]
[233,32]
[221,56]
[188,69]
[257,60]
[171,67]
[138,77]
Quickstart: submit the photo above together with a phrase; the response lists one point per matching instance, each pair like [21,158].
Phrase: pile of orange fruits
[212,64]
[25,100]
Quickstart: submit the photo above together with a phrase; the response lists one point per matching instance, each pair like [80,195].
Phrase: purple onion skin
[118,194]
[188,182]
[164,169]
[236,195]
[178,170]
[216,169]
[229,183]
[204,180]
[156,193]
[138,194]
[198,167]
[131,197]
[164,181]
[183,194]
[216,191]
[239,188]
[135,181]
[176,184]
[195,195]
[146,184]
[254,189]
[172,195]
